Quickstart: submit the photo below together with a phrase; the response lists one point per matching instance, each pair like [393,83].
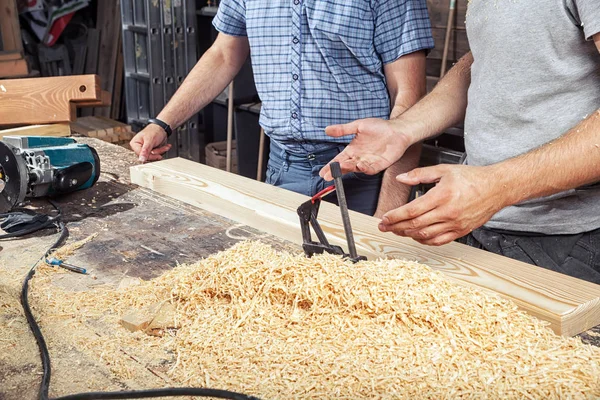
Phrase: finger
[442,239]
[342,158]
[429,232]
[342,130]
[146,149]
[412,210]
[424,221]
[154,157]
[135,145]
[161,150]
[422,175]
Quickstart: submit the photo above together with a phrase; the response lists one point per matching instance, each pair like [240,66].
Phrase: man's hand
[376,146]
[150,143]
[464,198]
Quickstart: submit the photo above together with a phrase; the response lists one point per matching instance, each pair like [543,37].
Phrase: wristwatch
[162,124]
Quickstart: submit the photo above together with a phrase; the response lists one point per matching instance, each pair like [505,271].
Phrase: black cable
[51,221]
[45,355]
[168,392]
[33,325]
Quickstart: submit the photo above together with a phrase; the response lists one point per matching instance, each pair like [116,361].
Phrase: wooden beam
[104,101]
[59,130]
[570,305]
[13,68]
[10,55]
[45,100]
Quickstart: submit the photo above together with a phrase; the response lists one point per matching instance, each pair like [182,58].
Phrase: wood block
[82,130]
[45,100]
[158,316]
[13,68]
[569,304]
[135,321]
[59,130]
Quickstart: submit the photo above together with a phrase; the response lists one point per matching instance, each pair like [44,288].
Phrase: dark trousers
[575,255]
[300,173]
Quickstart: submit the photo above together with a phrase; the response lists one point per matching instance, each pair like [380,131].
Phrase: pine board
[570,305]
[57,130]
[45,100]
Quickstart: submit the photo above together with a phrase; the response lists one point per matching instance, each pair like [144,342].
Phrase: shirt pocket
[341,26]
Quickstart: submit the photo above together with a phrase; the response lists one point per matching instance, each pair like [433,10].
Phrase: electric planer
[38,166]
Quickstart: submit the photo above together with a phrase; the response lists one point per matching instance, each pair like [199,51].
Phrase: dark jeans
[300,174]
[575,255]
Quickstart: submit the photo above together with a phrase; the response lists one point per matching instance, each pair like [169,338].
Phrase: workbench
[140,234]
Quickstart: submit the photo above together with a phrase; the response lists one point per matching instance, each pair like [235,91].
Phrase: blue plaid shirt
[320,62]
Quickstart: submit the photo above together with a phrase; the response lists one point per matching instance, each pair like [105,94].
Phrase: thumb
[421,175]
[146,149]
[342,130]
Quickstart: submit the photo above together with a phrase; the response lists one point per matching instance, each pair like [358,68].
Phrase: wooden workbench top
[140,234]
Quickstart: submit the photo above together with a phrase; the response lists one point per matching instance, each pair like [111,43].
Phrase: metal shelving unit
[159,48]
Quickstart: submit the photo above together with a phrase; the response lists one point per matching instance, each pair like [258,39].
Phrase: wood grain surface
[45,100]
[57,130]
[569,304]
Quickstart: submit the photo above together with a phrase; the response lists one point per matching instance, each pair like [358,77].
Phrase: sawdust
[282,326]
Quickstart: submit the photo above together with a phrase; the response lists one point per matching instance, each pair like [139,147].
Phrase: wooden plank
[13,68]
[104,101]
[569,304]
[109,24]
[115,109]
[44,100]
[59,130]
[10,55]
[91,60]
[10,30]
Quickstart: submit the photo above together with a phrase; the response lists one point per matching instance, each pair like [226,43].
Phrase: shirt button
[296,2]
[294,115]
[296,41]
[295,76]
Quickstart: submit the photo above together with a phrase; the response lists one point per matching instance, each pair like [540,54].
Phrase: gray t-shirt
[535,76]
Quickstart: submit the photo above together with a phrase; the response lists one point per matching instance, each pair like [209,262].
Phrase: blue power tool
[37,166]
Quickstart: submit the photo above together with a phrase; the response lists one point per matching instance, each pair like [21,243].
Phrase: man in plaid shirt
[316,63]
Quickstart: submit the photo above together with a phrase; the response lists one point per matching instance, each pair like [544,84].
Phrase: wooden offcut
[46,100]
[57,130]
[569,304]
[103,128]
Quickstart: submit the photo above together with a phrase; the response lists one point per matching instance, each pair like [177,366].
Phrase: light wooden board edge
[58,130]
[570,305]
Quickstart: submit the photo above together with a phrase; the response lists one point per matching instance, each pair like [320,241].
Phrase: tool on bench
[58,263]
[37,166]
[309,211]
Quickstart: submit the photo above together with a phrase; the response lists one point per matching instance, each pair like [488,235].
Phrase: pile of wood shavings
[282,326]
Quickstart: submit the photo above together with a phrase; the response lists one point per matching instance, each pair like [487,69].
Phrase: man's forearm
[566,163]
[441,109]
[409,90]
[209,77]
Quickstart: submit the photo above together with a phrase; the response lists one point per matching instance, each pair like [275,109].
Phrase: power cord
[45,355]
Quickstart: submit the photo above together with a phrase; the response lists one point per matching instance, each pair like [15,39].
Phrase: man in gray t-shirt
[529,93]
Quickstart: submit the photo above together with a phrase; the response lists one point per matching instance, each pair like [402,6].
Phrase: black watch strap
[162,124]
